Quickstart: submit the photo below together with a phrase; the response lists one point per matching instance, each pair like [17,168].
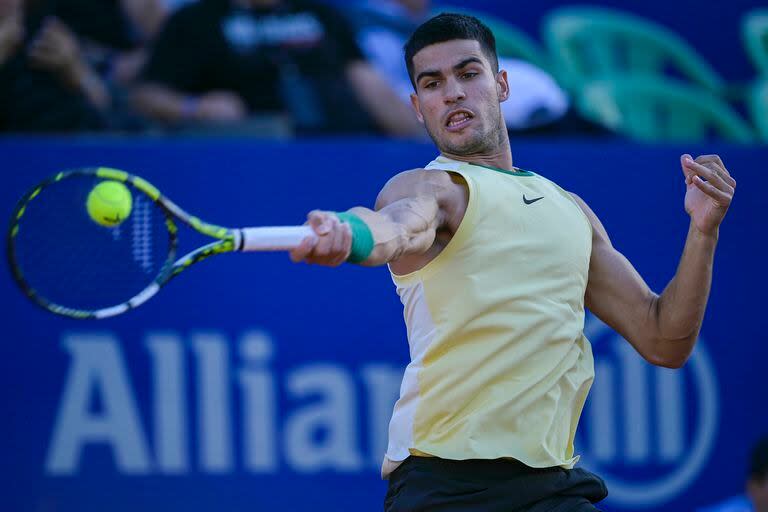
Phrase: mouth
[458,120]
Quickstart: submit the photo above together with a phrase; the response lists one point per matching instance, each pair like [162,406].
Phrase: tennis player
[494,266]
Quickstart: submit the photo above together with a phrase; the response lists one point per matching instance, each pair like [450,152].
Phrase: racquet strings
[68,259]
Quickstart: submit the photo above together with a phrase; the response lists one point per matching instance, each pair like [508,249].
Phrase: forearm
[679,310]
[405,227]
[161,103]
[89,83]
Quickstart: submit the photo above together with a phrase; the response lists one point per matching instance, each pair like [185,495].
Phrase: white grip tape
[274,238]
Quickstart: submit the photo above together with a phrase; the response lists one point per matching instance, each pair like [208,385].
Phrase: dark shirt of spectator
[40,70]
[225,60]
[49,81]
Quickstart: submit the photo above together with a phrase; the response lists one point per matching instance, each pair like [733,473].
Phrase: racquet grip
[281,238]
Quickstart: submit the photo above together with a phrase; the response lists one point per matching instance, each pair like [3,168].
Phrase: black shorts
[422,484]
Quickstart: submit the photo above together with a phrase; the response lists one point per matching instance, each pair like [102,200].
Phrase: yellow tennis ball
[109,203]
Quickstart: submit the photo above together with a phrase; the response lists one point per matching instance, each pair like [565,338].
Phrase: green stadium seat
[656,109]
[510,41]
[590,42]
[754,32]
[758,104]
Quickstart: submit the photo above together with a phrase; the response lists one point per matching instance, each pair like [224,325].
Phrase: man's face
[458,97]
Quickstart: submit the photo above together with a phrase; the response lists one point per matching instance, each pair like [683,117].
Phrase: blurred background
[253,384]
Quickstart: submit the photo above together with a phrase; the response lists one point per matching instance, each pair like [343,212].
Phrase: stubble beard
[482,143]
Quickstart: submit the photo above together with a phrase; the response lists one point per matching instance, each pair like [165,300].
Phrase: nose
[453,91]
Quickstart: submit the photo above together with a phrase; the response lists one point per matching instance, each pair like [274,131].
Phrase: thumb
[685,160]
[320,222]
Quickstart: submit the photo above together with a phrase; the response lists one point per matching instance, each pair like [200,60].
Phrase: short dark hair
[447,27]
[758,464]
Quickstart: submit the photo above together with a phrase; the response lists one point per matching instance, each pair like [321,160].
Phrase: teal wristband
[362,238]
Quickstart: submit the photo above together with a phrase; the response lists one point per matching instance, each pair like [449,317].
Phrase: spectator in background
[114,35]
[222,61]
[756,499]
[62,62]
[45,82]
[382,28]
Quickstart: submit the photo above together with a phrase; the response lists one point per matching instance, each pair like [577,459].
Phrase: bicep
[616,293]
[409,211]
[416,215]
[412,201]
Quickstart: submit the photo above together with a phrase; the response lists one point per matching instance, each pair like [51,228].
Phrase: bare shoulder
[597,226]
[582,204]
[441,185]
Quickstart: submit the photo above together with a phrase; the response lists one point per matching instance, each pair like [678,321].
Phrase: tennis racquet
[70,265]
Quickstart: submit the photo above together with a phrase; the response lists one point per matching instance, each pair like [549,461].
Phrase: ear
[502,85]
[417,107]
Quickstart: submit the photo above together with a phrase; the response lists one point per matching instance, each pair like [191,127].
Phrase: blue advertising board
[251,383]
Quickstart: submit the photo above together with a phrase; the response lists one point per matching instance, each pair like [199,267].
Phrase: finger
[721,198]
[716,164]
[305,247]
[723,173]
[331,254]
[710,175]
[710,158]
[332,251]
[339,244]
[320,221]
[684,159]
[323,251]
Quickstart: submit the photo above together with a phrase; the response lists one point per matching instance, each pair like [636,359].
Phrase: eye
[431,85]
[469,74]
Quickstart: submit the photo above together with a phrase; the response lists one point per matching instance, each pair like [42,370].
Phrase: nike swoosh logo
[531,201]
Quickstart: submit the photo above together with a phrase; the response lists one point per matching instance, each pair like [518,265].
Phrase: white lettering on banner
[333,417]
[97,367]
[213,408]
[169,403]
[636,420]
[320,431]
[259,409]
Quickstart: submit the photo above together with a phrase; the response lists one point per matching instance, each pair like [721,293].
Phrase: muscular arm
[663,328]
[409,210]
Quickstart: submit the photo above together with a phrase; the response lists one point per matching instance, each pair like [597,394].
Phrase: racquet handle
[281,238]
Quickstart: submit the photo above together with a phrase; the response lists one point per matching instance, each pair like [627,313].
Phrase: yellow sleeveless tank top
[499,364]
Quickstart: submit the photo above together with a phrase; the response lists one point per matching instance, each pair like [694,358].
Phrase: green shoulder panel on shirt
[516,172]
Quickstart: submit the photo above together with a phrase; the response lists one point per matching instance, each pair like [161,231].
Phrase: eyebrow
[460,65]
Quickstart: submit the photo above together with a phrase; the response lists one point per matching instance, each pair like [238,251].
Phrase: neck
[500,157]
